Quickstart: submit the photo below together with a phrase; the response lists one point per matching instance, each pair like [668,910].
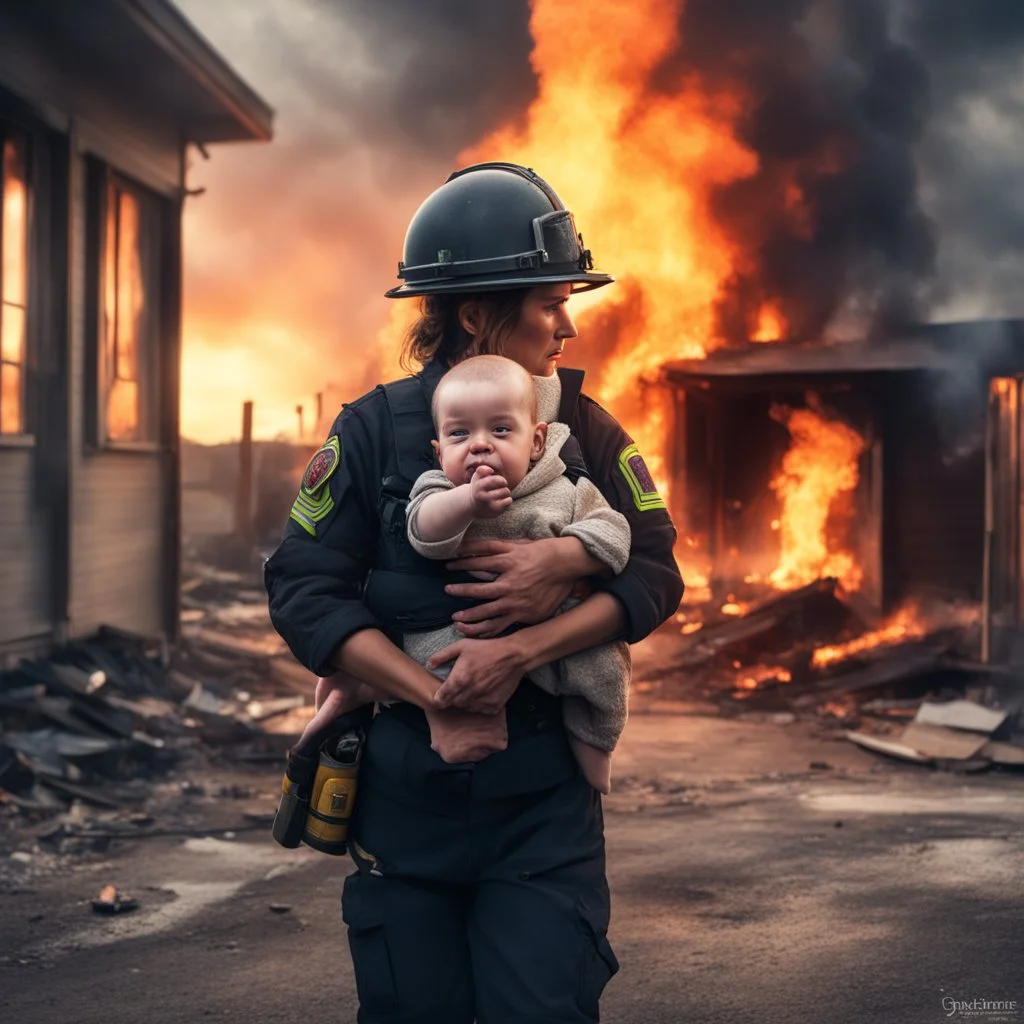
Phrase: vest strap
[409,407]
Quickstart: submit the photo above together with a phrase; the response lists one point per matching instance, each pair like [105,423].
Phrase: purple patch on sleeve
[642,473]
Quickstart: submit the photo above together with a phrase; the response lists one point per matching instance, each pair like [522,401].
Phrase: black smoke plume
[862,194]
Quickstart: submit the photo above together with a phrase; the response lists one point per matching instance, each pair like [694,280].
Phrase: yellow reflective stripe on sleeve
[307,514]
[316,510]
[645,496]
[300,518]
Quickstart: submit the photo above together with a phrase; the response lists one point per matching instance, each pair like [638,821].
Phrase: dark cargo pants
[473,901]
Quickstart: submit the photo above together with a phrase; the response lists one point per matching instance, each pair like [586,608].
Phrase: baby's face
[485,423]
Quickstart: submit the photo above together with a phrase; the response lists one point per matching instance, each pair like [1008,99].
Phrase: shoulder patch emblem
[314,502]
[321,466]
[641,483]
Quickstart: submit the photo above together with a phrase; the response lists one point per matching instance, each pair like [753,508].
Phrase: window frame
[101,179]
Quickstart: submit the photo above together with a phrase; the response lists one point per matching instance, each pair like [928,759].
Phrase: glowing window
[14,227]
[128,337]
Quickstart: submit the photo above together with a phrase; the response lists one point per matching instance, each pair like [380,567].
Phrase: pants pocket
[599,963]
[368,943]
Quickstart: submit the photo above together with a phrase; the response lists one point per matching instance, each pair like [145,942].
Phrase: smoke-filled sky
[290,249]
[291,246]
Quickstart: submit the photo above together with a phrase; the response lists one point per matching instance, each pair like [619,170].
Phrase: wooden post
[298,412]
[243,501]
[318,430]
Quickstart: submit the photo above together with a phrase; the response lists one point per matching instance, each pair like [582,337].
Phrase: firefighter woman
[480,892]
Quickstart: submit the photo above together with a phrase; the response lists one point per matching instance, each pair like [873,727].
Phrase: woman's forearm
[370,656]
[574,560]
[597,620]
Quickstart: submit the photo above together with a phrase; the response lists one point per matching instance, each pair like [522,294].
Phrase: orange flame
[904,625]
[770,325]
[760,674]
[907,623]
[636,167]
[820,466]
[734,607]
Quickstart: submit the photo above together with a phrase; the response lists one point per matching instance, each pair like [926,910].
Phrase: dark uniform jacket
[315,579]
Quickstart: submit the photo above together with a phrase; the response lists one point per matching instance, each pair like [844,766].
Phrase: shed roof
[992,347]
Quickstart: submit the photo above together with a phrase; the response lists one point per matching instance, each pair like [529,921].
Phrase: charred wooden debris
[105,722]
[818,652]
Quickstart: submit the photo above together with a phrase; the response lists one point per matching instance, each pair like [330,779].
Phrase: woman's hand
[535,579]
[483,677]
[459,736]
[337,695]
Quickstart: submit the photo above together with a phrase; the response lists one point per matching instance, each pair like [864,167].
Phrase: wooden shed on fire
[98,104]
[935,501]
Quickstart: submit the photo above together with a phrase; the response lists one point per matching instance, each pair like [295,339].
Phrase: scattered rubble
[910,687]
[87,735]
[958,731]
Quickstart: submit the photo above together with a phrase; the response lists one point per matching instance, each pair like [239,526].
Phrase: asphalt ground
[748,886]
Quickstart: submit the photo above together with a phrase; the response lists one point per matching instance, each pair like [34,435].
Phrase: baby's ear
[437,450]
[540,436]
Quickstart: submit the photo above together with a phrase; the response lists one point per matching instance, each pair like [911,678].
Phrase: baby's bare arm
[443,514]
[446,514]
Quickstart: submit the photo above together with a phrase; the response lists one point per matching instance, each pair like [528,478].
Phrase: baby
[501,477]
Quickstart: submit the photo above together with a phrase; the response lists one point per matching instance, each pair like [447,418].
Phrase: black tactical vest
[406,590]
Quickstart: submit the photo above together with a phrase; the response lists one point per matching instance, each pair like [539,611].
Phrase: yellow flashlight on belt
[319,787]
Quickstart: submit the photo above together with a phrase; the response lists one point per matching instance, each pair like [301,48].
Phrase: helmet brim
[581,282]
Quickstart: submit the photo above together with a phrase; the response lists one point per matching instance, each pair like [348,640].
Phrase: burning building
[891,465]
[98,103]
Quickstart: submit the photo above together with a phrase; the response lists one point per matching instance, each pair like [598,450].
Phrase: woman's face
[544,326]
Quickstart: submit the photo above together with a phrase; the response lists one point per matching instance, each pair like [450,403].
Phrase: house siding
[24,558]
[118,549]
[117,545]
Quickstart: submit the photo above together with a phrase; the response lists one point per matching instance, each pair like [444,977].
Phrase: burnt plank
[901,663]
[795,610]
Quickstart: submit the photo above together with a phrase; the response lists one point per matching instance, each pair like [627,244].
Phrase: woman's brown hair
[438,333]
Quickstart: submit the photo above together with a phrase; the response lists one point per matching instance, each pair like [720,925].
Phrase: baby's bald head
[504,373]
[485,413]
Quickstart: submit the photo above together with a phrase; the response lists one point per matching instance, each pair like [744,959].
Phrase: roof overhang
[232,109]
[150,51]
[988,347]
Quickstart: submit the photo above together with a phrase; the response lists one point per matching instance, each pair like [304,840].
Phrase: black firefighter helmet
[493,226]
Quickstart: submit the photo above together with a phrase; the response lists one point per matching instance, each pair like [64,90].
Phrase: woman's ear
[469,317]
[540,436]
